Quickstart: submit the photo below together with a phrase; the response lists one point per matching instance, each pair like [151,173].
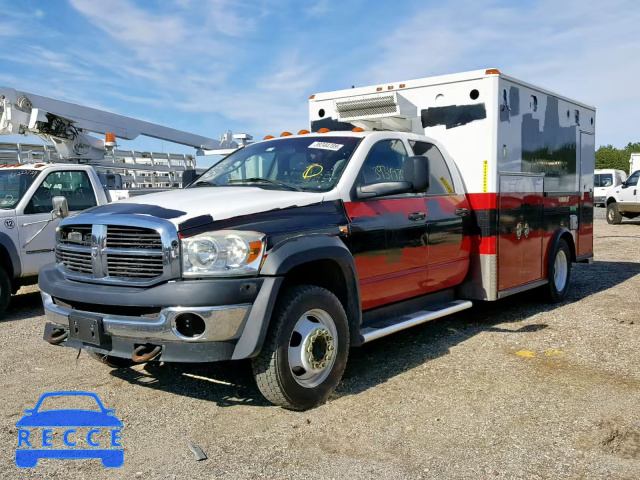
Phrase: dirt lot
[514,389]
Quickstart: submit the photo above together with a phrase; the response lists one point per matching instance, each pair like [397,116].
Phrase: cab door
[628,193]
[36,224]
[520,230]
[388,234]
[447,246]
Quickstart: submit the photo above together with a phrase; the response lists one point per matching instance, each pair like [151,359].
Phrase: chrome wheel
[611,215]
[312,348]
[560,270]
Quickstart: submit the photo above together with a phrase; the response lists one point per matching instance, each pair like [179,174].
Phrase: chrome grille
[133,237]
[134,266]
[119,254]
[75,259]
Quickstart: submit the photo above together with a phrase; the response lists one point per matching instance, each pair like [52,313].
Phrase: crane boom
[66,125]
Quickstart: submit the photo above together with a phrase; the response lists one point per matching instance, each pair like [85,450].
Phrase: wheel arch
[323,261]
[560,234]
[9,257]
[610,200]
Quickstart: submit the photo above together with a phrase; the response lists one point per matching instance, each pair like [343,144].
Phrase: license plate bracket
[86,329]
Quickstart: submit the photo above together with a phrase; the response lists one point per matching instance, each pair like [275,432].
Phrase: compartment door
[520,230]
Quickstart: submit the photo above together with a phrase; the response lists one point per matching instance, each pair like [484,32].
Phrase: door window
[73,185]
[632,181]
[440,181]
[384,163]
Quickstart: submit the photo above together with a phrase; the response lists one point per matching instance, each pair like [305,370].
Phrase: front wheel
[614,217]
[559,273]
[306,349]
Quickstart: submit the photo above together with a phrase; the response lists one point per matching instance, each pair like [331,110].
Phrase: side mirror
[60,207]
[416,172]
[383,189]
[624,185]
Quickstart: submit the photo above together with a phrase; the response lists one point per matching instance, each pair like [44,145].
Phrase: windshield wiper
[266,180]
[204,182]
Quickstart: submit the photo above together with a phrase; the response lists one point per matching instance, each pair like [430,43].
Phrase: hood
[200,205]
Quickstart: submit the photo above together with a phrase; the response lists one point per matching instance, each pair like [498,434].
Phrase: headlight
[222,253]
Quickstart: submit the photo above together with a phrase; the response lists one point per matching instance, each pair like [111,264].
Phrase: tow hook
[56,336]
[139,355]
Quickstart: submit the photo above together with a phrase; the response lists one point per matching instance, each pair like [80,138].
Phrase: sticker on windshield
[326,146]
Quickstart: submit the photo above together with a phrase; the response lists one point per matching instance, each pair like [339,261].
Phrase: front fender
[14,257]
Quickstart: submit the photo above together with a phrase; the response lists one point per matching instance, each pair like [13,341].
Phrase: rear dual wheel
[306,349]
[559,273]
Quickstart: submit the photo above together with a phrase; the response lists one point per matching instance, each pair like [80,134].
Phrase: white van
[603,180]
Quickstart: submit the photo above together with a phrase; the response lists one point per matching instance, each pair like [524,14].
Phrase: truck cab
[603,180]
[28,220]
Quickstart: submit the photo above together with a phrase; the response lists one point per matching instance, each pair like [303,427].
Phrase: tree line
[607,156]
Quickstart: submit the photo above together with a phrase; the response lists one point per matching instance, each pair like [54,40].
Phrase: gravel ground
[512,389]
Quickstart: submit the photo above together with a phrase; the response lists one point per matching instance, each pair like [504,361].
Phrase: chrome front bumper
[222,323]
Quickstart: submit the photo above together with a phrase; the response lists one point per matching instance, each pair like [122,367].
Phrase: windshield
[301,163]
[603,180]
[13,185]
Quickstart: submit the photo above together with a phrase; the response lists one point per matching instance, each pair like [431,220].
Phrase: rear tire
[306,349]
[111,361]
[559,273]
[5,290]
[614,217]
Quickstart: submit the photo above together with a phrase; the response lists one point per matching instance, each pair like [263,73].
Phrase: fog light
[189,325]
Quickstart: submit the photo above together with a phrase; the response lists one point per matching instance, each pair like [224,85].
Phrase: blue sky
[206,66]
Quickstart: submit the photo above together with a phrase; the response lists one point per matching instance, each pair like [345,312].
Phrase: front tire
[306,349]
[559,273]
[5,290]
[614,217]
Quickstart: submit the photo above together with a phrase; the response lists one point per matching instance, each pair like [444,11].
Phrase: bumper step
[387,327]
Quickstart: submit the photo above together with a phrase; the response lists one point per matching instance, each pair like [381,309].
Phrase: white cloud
[587,53]
[38,14]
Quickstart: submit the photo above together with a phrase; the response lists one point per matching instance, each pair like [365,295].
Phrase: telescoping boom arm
[66,126]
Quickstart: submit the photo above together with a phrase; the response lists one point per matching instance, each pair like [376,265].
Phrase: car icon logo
[83,433]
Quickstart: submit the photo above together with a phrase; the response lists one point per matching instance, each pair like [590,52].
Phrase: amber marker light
[324,130]
[254,251]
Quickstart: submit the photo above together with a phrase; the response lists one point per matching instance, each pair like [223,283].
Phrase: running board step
[395,325]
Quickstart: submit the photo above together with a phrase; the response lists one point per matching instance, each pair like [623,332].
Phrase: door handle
[416,216]
[462,212]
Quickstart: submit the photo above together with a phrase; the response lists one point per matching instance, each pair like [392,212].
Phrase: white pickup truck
[30,202]
[75,172]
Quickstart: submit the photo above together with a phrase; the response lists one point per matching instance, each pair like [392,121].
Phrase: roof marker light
[379,89]
[390,87]
[493,71]
[312,97]
[402,85]
[303,132]
[358,129]
[324,130]
[268,137]
[286,134]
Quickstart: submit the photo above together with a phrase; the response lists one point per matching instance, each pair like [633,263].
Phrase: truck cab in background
[603,181]
[74,172]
